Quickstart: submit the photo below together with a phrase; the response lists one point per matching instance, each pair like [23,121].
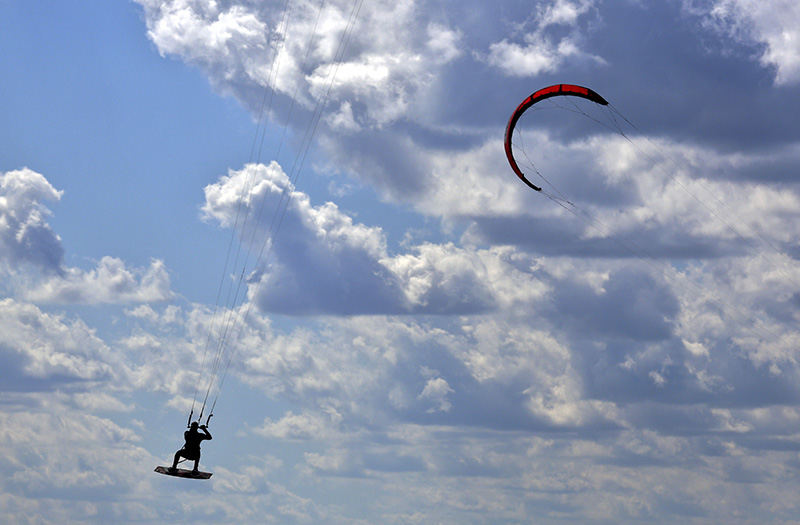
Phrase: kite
[557,90]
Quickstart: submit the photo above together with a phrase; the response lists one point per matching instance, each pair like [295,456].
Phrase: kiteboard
[182,473]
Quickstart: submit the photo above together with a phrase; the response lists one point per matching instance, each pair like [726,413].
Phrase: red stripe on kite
[550,91]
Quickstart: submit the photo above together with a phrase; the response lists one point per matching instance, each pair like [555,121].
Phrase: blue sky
[414,336]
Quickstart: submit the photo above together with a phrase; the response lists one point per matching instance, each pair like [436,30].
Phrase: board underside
[182,473]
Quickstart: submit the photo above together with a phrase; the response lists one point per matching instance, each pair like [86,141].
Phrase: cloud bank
[632,357]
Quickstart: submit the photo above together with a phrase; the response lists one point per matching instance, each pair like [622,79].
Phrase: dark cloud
[632,306]
[674,420]
[629,372]
[686,82]
[351,284]
[563,236]
[387,160]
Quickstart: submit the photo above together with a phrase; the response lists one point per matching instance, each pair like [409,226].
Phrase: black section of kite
[556,90]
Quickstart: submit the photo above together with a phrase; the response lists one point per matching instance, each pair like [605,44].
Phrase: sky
[304,208]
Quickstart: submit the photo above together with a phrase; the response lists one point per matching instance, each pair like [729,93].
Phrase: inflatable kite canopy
[557,90]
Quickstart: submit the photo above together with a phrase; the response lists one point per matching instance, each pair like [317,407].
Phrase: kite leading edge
[544,93]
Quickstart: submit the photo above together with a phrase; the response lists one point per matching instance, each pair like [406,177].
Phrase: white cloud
[540,51]
[443,278]
[41,350]
[94,402]
[674,191]
[57,459]
[774,24]
[435,392]
[344,376]
[332,462]
[170,314]
[504,366]
[302,426]
[323,261]
[204,32]
[389,59]
[32,256]
[93,469]
[25,236]
[110,282]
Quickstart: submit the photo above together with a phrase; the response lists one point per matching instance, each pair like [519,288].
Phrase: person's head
[195,424]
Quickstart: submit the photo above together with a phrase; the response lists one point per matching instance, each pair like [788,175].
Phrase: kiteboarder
[191,449]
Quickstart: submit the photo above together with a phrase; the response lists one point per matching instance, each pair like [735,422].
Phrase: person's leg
[177,458]
[196,464]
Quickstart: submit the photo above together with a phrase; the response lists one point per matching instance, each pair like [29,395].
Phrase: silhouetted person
[191,449]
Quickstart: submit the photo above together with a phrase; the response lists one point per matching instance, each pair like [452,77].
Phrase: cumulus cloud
[302,426]
[389,57]
[92,468]
[415,371]
[401,64]
[52,455]
[41,350]
[110,282]
[645,198]
[372,71]
[398,400]
[322,261]
[214,35]
[394,398]
[435,393]
[543,49]
[25,236]
[540,364]
[32,254]
[773,24]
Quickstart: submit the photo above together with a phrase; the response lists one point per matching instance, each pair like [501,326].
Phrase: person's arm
[205,429]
